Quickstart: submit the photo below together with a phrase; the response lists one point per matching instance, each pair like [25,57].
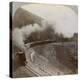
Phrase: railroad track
[39,71]
[32,71]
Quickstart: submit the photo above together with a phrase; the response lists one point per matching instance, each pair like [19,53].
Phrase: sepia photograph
[43,39]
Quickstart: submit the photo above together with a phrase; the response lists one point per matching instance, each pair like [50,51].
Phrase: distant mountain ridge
[23,18]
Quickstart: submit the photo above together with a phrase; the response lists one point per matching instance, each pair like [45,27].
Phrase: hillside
[23,17]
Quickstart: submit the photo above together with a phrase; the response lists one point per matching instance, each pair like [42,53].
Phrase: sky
[62,17]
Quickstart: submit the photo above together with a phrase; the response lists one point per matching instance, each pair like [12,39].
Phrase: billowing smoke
[28,29]
[20,34]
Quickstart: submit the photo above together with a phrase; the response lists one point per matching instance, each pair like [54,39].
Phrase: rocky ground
[51,59]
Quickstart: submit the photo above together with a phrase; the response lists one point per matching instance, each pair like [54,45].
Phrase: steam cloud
[27,30]
[20,34]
